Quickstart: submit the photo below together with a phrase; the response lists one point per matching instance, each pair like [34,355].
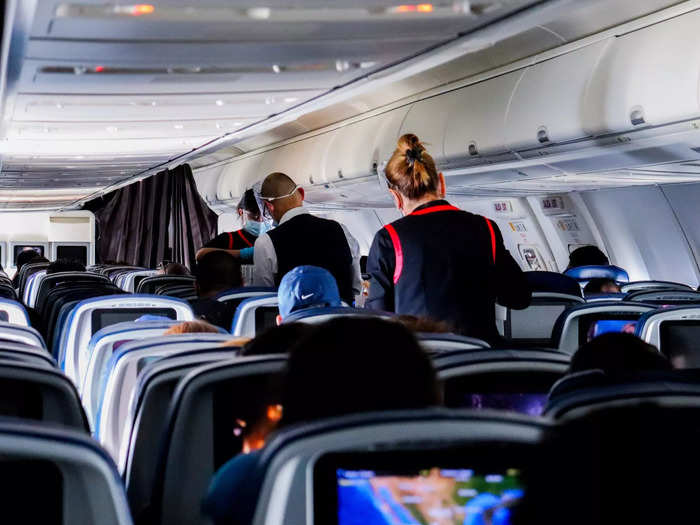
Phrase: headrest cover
[585,273]
[553,282]
[307,286]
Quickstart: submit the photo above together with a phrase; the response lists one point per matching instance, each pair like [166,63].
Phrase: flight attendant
[240,243]
[438,261]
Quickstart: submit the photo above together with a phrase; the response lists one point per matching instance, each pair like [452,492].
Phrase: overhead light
[112,129]
[276,68]
[412,8]
[219,102]
[179,126]
[135,10]
[289,100]
[269,100]
[259,13]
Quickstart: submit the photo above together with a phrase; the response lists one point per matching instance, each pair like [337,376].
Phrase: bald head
[278,193]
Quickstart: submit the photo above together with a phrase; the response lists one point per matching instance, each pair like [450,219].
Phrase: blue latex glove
[247,254]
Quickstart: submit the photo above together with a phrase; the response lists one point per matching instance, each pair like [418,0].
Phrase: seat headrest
[586,273]
[553,282]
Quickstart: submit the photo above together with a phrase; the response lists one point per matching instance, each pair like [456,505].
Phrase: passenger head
[423,325]
[248,209]
[24,257]
[618,353]
[192,327]
[412,175]
[174,269]
[277,340]
[280,194]
[350,365]
[65,265]
[601,285]
[587,256]
[216,272]
[306,287]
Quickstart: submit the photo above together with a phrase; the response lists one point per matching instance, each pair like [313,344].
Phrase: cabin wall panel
[642,233]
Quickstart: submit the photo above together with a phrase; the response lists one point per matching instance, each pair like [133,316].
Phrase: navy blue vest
[309,240]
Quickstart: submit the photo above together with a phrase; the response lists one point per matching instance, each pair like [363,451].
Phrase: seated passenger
[587,256]
[600,285]
[616,353]
[25,256]
[216,272]
[173,268]
[380,358]
[192,327]
[306,287]
[65,265]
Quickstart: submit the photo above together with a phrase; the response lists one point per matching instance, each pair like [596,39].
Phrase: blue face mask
[256,228]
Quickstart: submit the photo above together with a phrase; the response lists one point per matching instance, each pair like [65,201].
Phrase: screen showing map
[433,496]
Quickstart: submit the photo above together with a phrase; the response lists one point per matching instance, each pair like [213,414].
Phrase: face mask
[256,228]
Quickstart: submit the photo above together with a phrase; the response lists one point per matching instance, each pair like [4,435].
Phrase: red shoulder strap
[230,241]
[398,251]
[240,233]
[493,239]
[434,209]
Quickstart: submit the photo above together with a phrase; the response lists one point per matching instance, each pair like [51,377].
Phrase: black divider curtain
[161,217]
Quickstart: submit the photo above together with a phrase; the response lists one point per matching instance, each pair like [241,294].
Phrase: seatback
[13,312]
[28,353]
[54,475]
[122,373]
[236,296]
[512,380]
[254,315]
[605,297]
[439,343]
[101,348]
[553,282]
[572,327]
[32,288]
[148,416]
[636,286]
[579,394]
[26,272]
[534,325]
[90,315]
[663,297]
[20,334]
[39,393]
[583,274]
[186,292]
[675,332]
[66,279]
[150,284]
[323,314]
[129,282]
[302,466]
[198,437]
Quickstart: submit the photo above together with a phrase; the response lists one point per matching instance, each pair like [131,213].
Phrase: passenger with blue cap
[306,287]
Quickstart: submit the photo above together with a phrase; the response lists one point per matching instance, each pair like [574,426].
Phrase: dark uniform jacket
[445,264]
[232,240]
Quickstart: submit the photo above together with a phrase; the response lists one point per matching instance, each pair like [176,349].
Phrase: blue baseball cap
[307,286]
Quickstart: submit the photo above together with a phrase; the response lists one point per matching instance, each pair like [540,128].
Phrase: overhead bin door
[548,103]
[648,77]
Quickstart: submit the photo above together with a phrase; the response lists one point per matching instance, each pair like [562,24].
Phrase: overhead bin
[548,104]
[428,120]
[358,147]
[476,118]
[648,77]
[237,176]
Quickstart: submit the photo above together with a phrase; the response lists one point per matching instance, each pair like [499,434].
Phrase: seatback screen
[76,253]
[19,248]
[680,342]
[265,317]
[4,316]
[108,316]
[594,325]
[433,495]
[535,322]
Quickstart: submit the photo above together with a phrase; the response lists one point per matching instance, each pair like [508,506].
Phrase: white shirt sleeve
[265,262]
[355,252]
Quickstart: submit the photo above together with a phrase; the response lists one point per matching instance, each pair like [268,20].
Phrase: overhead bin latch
[472,149]
[637,116]
[542,135]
